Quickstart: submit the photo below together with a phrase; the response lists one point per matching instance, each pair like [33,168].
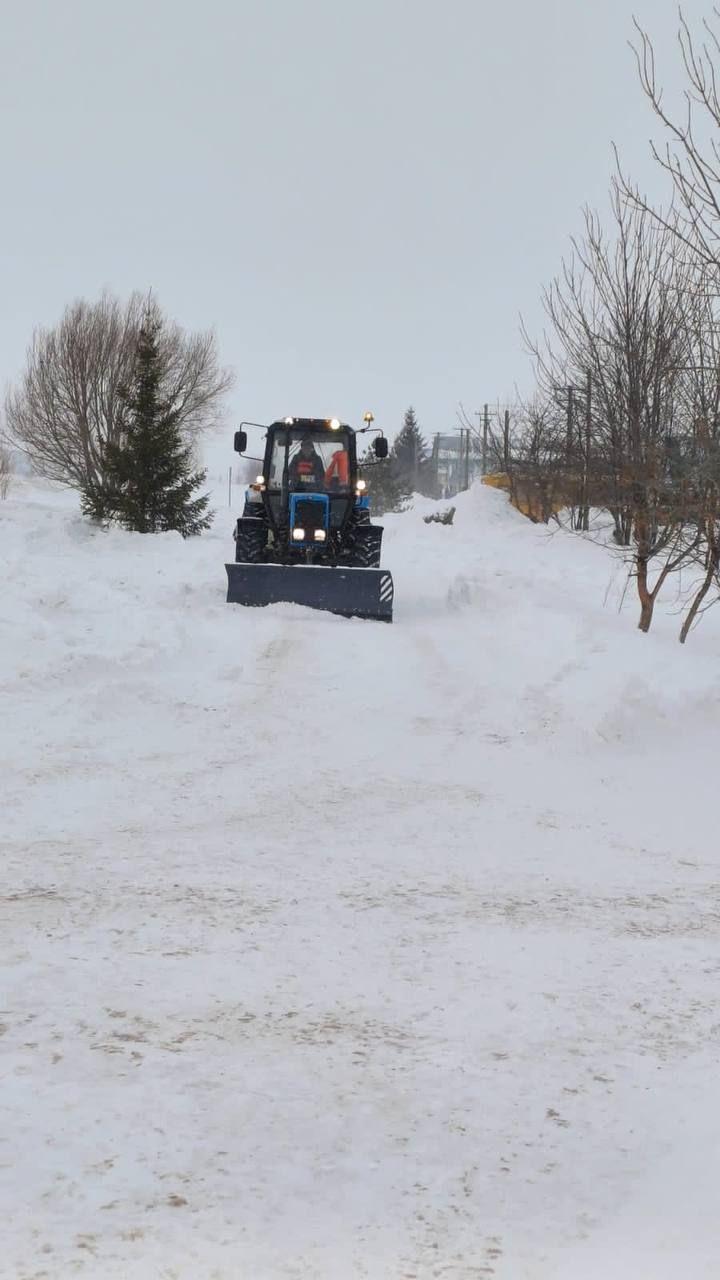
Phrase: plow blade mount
[353,593]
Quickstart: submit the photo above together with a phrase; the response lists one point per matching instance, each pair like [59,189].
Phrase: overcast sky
[360,196]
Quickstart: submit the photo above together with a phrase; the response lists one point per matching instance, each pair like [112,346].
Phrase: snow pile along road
[334,949]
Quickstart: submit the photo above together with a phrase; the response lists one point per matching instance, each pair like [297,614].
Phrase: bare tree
[525,448]
[6,470]
[707,556]
[695,462]
[690,158]
[618,328]
[66,408]
[691,154]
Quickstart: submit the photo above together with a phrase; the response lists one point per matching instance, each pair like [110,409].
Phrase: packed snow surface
[334,949]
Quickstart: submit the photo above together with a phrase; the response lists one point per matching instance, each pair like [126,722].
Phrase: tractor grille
[310,515]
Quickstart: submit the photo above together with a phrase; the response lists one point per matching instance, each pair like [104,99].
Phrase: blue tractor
[305,534]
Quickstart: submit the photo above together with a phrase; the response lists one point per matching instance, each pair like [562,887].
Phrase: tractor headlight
[334,424]
[319,535]
[259,479]
[298,535]
[361,486]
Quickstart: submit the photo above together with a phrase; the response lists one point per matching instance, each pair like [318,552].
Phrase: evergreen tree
[383,483]
[150,476]
[410,453]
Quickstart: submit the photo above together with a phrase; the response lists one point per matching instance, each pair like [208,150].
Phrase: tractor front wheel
[250,540]
[367,547]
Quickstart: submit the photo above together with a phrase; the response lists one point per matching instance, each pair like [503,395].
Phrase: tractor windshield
[318,461]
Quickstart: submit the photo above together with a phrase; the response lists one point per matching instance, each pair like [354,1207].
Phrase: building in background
[455,462]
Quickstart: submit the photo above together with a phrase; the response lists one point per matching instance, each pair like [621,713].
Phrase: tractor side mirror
[240,441]
[380,445]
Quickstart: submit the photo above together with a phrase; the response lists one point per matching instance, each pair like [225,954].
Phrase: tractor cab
[307,459]
[310,479]
[309,489]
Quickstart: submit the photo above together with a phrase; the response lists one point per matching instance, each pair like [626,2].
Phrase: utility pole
[435,463]
[485,432]
[579,447]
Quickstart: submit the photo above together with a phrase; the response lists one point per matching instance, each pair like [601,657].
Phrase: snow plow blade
[352,593]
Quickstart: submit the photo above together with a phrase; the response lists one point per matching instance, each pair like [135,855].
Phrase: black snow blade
[352,593]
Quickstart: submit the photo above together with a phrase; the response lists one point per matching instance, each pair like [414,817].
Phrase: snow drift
[334,949]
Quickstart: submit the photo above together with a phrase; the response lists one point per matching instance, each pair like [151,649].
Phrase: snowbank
[335,949]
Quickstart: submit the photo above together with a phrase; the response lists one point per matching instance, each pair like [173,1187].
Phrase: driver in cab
[306,469]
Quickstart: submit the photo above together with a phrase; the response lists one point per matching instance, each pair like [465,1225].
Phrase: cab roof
[313,424]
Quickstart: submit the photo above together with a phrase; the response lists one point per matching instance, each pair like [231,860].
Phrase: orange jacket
[339,467]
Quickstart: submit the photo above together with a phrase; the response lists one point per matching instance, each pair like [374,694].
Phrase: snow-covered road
[334,949]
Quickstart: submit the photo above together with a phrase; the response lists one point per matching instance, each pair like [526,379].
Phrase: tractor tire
[250,541]
[367,547]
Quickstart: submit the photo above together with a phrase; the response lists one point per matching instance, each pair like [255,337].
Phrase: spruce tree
[410,453]
[150,476]
[383,482]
